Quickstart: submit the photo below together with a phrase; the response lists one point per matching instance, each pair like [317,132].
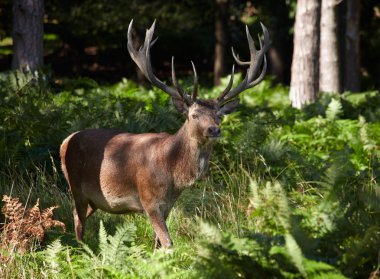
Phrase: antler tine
[177,86]
[251,43]
[255,56]
[238,89]
[195,89]
[142,58]
[229,86]
[236,57]
[262,74]
[154,41]
[257,60]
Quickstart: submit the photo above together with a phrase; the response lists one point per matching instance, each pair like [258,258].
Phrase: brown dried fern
[24,226]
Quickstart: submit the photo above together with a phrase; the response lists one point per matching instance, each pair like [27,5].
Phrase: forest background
[292,190]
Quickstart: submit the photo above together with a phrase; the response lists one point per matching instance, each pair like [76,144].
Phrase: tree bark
[28,34]
[221,39]
[352,47]
[304,76]
[329,78]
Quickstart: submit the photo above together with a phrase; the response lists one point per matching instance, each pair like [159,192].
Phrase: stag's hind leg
[81,212]
[90,209]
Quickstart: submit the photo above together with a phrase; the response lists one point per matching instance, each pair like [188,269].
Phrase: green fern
[334,109]
[52,257]
[295,253]
[269,203]
[119,244]
[321,270]
[282,203]
[274,152]
[103,238]
[369,145]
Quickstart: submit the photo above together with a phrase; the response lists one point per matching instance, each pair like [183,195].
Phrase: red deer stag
[119,172]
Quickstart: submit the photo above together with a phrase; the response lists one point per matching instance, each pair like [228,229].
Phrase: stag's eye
[195,116]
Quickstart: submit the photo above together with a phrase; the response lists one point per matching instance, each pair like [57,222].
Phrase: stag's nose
[213,131]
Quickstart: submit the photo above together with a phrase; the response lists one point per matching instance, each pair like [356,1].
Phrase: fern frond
[282,203]
[334,109]
[103,238]
[368,143]
[295,253]
[328,276]
[51,254]
[24,226]
[210,232]
[254,201]
[274,151]
[117,247]
[321,270]
[87,250]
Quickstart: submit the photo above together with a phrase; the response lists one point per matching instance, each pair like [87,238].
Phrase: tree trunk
[221,39]
[304,79]
[28,34]
[276,63]
[329,78]
[278,53]
[352,47]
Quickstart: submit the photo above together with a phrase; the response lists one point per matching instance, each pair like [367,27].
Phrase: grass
[210,200]
[199,204]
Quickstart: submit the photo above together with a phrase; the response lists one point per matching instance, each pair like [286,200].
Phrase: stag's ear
[181,106]
[229,107]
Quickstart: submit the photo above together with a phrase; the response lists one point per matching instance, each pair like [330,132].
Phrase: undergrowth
[23,226]
[290,194]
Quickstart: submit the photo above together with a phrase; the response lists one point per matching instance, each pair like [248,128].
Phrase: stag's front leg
[156,240]
[161,234]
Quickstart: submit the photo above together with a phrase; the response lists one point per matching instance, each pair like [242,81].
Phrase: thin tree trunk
[352,47]
[28,34]
[329,78]
[221,39]
[276,64]
[304,79]
[278,53]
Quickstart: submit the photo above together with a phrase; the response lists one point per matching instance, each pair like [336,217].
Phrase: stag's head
[203,116]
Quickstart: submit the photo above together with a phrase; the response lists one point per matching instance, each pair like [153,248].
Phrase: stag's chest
[191,168]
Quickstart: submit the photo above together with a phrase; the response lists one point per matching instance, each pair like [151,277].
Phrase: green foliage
[27,113]
[117,257]
[291,194]
[334,109]
[224,255]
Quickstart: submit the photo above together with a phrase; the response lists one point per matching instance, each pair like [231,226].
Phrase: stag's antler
[257,57]
[142,59]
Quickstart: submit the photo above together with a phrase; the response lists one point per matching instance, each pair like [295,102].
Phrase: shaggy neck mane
[188,157]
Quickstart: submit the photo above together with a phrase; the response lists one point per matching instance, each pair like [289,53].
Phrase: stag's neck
[191,157]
